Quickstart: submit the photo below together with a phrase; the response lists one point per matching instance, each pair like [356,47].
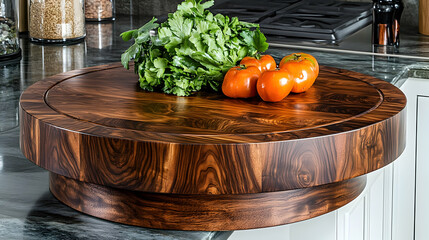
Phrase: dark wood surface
[206,212]
[96,126]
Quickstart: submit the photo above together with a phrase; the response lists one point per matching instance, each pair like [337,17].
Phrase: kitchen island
[28,210]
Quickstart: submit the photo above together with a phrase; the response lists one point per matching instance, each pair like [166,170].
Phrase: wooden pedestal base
[204,212]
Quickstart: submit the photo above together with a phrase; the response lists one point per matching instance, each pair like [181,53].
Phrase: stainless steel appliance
[313,20]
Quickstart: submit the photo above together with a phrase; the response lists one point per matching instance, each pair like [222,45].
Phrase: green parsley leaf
[126,36]
[260,40]
[129,54]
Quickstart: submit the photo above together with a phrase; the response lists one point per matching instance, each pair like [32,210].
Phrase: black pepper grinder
[399,8]
[386,22]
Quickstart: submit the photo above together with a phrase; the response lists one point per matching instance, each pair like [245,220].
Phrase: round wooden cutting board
[208,162]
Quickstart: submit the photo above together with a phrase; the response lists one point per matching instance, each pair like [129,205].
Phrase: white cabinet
[395,202]
[411,192]
[363,219]
[422,169]
[404,174]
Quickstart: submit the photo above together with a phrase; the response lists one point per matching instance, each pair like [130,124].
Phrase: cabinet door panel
[387,202]
[355,222]
[364,218]
[422,169]
[404,170]
[351,220]
[375,210]
[322,227]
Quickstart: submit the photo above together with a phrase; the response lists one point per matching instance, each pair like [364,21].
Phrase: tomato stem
[296,56]
[242,67]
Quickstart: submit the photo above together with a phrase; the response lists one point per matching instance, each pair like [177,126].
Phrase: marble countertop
[29,211]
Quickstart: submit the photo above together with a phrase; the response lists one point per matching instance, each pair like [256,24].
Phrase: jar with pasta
[57,21]
[99,10]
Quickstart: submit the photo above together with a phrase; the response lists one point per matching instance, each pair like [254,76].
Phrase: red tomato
[264,63]
[304,69]
[240,82]
[274,85]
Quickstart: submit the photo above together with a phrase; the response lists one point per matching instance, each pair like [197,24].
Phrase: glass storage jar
[99,35]
[56,58]
[9,44]
[56,21]
[99,10]
[9,97]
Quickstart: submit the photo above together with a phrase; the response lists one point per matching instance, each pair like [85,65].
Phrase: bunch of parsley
[191,50]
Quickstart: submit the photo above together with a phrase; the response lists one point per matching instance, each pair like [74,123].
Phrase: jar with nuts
[57,21]
[99,10]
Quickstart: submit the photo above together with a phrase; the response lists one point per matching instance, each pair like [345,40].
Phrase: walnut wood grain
[98,133]
[95,125]
[207,212]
